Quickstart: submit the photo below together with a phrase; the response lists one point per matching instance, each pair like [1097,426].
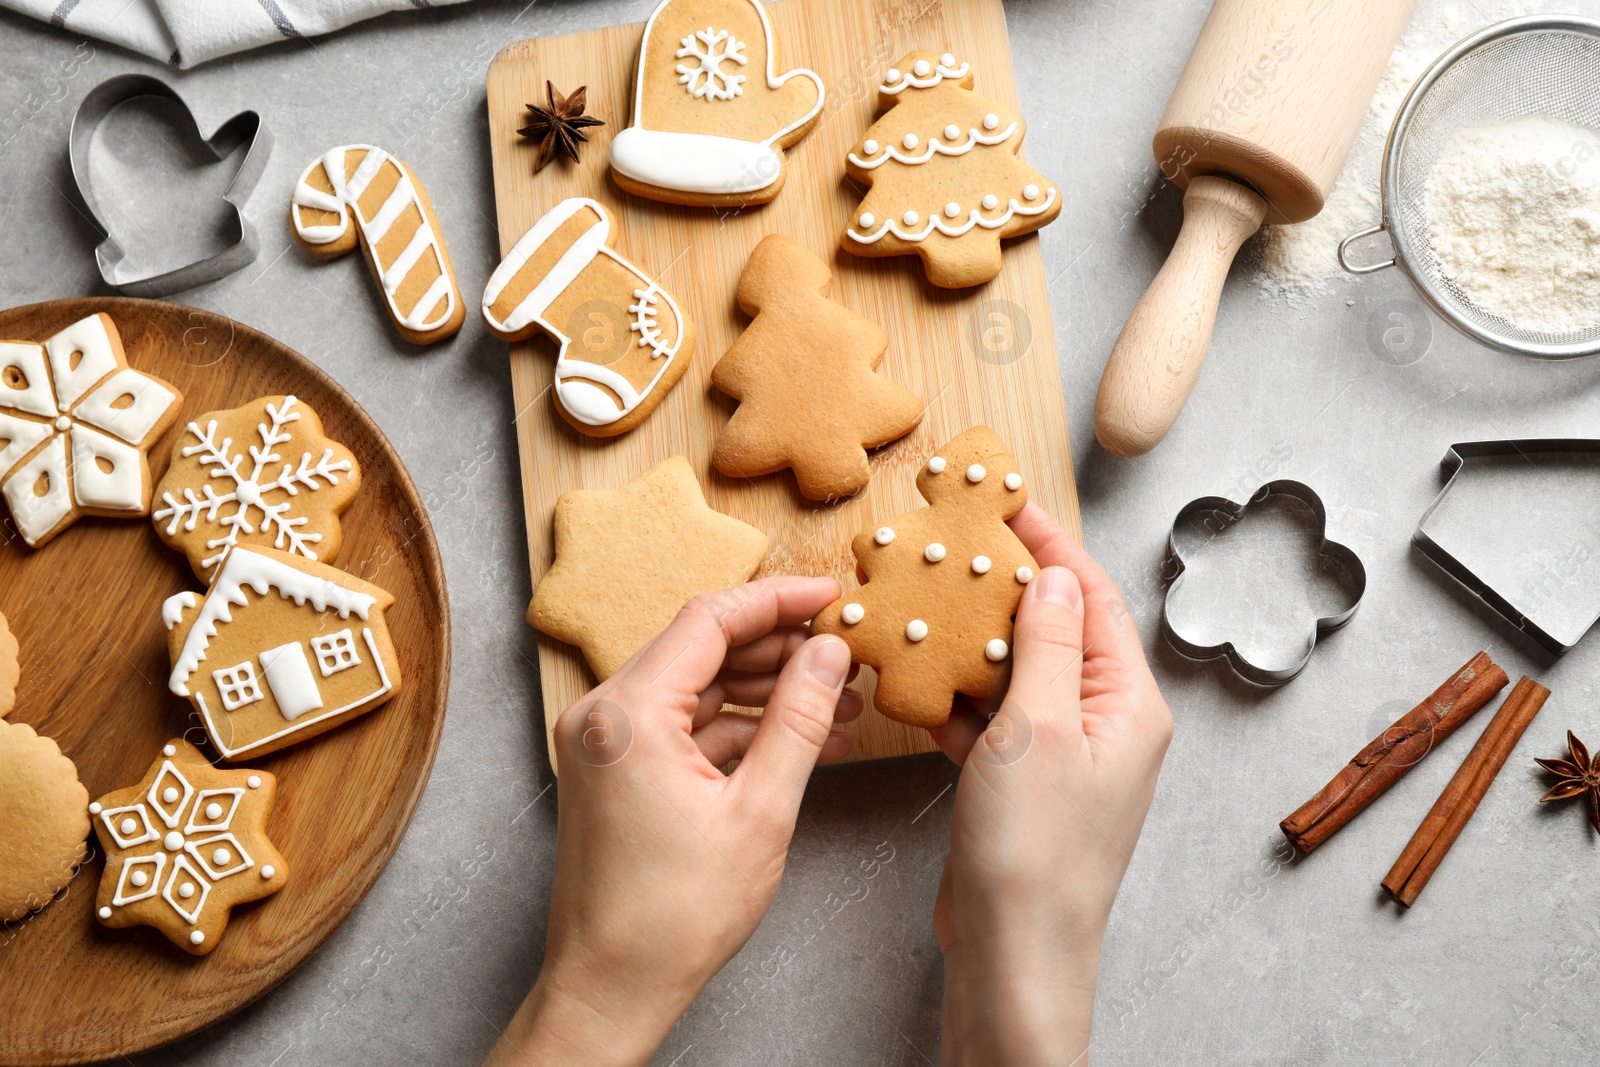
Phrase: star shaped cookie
[184,846]
[803,374]
[627,559]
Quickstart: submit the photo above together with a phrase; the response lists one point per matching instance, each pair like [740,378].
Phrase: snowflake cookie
[262,474]
[290,648]
[75,426]
[186,845]
[42,822]
[711,113]
[934,615]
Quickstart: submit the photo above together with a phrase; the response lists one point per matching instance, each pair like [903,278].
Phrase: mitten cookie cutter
[1194,514]
[244,128]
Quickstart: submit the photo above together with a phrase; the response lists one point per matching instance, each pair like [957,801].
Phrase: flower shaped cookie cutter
[245,128]
[1207,518]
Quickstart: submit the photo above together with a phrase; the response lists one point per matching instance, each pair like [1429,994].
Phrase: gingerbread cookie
[290,649]
[10,669]
[711,113]
[627,559]
[934,616]
[75,426]
[186,845]
[396,227]
[803,376]
[947,184]
[43,825]
[624,341]
[262,474]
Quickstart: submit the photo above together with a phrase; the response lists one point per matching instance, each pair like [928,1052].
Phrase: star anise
[559,127]
[1580,775]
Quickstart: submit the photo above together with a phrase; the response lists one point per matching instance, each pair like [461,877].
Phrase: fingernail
[827,659]
[1058,586]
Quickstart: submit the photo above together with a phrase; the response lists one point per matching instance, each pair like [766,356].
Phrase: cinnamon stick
[1460,798]
[1394,752]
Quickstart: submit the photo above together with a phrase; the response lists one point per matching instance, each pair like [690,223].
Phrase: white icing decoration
[173,841]
[27,359]
[706,79]
[221,857]
[974,218]
[922,76]
[335,652]
[105,913]
[990,201]
[437,305]
[63,423]
[884,535]
[991,120]
[933,553]
[1024,575]
[288,675]
[128,826]
[909,140]
[197,937]
[215,816]
[916,630]
[143,873]
[254,781]
[952,209]
[892,74]
[996,650]
[89,339]
[867,218]
[94,807]
[1013,481]
[951,132]
[936,465]
[948,59]
[981,564]
[909,218]
[922,68]
[133,423]
[870,147]
[852,613]
[186,890]
[169,750]
[976,473]
[248,493]
[120,489]
[213,811]
[948,147]
[23,435]
[238,685]
[175,605]
[170,795]
[37,516]
[267,871]
[138,878]
[701,162]
[581,399]
[1030,191]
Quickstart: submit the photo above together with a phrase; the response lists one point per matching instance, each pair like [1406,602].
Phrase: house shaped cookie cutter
[1195,512]
[1527,619]
[244,128]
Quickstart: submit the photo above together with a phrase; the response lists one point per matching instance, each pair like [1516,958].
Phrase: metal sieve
[1538,65]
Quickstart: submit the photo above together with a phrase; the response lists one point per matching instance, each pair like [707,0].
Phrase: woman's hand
[1051,799]
[664,865]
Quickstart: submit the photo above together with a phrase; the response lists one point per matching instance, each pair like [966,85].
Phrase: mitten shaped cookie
[934,616]
[946,181]
[803,374]
[711,113]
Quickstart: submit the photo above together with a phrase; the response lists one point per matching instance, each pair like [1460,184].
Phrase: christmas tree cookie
[946,182]
[803,374]
[934,615]
[42,822]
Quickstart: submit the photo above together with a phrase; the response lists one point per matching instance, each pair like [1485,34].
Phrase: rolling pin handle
[1362,268]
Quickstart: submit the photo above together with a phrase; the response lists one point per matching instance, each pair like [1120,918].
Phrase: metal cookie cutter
[244,128]
[1520,528]
[1210,517]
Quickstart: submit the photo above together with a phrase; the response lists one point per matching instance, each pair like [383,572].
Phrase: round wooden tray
[86,609]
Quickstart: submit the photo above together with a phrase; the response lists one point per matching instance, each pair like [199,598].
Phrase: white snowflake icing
[707,80]
[249,493]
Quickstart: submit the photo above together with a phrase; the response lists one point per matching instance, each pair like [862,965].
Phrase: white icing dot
[909,140]
[105,913]
[910,218]
[220,857]
[1024,575]
[870,147]
[1013,481]
[1030,191]
[186,890]
[952,209]
[996,650]
[213,811]
[169,750]
[138,878]
[936,464]
[991,121]
[268,871]
[922,68]
[990,201]
[853,613]
[94,807]
[63,424]
[893,75]
[933,553]
[197,937]
[173,841]
[128,826]
[916,630]
[948,59]
[884,535]
[981,564]
[868,219]
[951,132]
[976,473]
[170,794]
[254,781]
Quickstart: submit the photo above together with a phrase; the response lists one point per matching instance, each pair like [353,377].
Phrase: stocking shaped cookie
[803,376]
[361,194]
[711,112]
[946,181]
[935,614]
[624,341]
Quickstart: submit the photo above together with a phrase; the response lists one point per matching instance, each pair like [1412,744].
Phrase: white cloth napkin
[188,32]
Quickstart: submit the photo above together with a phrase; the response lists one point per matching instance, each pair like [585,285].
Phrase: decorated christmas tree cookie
[946,182]
[934,616]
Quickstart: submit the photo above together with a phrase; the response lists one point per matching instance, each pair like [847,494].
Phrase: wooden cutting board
[86,611]
[982,355]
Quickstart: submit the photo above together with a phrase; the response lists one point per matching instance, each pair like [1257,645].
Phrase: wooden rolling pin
[1262,118]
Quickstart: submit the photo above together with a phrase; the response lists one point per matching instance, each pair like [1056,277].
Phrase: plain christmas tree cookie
[713,107]
[10,669]
[934,616]
[627,559]
[946,182]
[43,824]
[803,374]
[185,846]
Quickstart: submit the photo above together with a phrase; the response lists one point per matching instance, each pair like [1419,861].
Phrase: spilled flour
[1514,210]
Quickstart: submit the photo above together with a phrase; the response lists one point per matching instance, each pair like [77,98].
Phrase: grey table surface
[1220,950]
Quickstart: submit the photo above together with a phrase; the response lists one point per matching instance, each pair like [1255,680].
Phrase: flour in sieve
[1514,213]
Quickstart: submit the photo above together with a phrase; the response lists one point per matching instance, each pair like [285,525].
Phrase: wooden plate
[86,609]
